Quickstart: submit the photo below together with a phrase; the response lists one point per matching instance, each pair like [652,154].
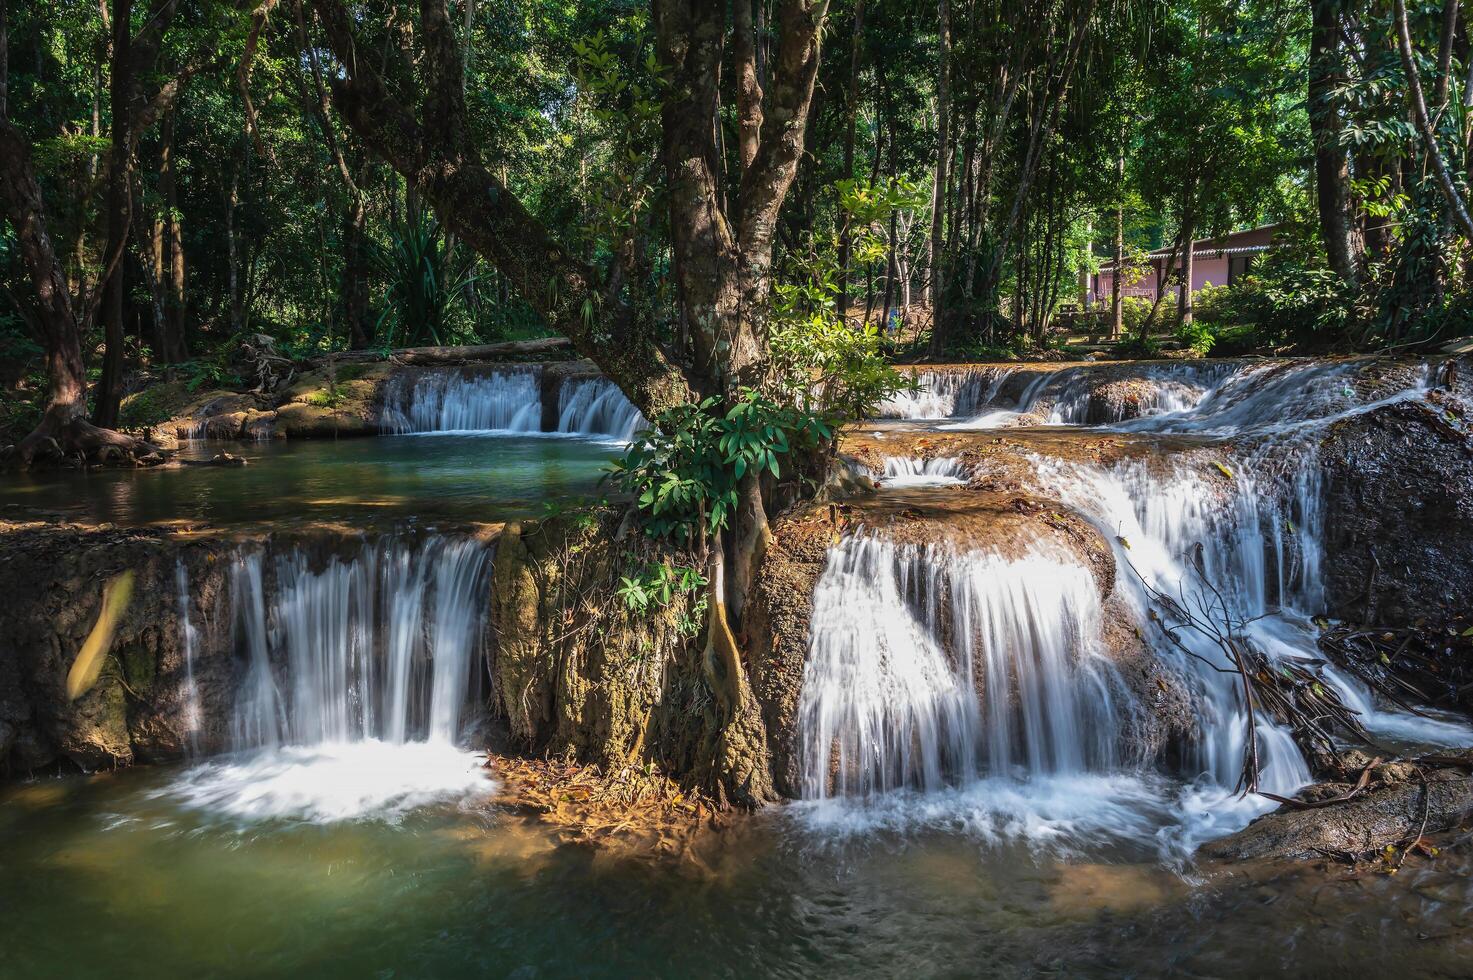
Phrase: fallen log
[456,355]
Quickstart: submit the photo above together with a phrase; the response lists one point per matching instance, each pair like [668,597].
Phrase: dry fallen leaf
[88,666]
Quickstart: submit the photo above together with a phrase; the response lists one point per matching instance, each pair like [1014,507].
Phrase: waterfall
[452,401]
[189,641]
[356,674]
[927,668]
[966,692]
[943,394]
[376,646]
[596,406]
[906,471]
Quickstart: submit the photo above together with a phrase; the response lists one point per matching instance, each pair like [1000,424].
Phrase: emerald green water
[113,876]
[450,477]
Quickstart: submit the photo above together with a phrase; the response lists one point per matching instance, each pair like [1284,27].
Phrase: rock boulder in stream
[1398,498]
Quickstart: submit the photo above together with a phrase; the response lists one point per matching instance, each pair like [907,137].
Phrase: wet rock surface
[53,578]
[1401,805]
[1398,484]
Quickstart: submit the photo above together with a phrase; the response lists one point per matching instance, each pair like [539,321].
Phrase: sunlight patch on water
[331,782]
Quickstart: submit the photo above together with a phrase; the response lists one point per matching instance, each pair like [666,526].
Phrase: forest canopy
[205,172]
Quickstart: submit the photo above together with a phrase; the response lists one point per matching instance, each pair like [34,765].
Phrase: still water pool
[140,874]
[433,476]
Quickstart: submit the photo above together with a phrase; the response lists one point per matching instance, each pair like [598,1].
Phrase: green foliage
[1197,337]
[1136,348]
[1285,299]
[654,585]
[684,473]
[426,278]
[824,365]
[211,371]
[154,404]
[329,397]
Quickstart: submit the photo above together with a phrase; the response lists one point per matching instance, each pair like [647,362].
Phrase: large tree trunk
[64,429]
[1331,159]
[118,212]
[937,246]
[722,262]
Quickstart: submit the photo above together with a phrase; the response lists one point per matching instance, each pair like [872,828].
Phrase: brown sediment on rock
[1002,460]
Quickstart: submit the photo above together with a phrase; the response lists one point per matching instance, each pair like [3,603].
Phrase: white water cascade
[189,640]
[896,709]
[357,673]
[452,401]
[927,668]
[596,406]
[907,471]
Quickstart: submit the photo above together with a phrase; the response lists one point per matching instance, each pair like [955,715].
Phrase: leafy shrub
[685,471]
[1197,337]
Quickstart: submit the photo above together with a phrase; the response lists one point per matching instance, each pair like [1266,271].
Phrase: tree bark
[936,290]
[1117,299]
[1331,160]
[1424,122]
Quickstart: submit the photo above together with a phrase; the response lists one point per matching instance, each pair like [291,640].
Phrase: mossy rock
[169,400]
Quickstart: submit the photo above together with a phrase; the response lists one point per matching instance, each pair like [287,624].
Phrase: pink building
[1215,262]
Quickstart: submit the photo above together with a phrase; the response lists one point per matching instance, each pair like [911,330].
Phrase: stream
[974,796]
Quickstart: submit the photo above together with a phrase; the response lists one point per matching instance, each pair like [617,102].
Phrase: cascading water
[942,394]
[906,471]
[356,676]
[896,696]
[189,641]
[991,396]
[928,667]
[451,401]
[596,406]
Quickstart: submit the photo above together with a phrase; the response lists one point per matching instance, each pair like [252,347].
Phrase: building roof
[1206,248]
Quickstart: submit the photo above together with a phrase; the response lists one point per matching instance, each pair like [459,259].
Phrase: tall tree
[1331,158]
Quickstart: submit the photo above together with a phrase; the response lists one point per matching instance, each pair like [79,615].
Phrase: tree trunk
[117,209]
[851,120]
[355,297]
[1117,299]
[1189,267]
[937,248]
[1331,160]
[1423,121]
[63,428]
[170,254]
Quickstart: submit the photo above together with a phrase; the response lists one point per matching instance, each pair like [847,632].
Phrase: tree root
[75,440]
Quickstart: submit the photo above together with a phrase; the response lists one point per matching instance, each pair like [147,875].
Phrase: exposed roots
[76,441]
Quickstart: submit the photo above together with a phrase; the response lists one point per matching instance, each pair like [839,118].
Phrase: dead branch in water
[1289,692]
[1408,665]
